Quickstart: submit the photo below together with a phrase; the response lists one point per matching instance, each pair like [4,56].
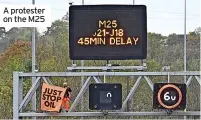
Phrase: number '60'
[168,97]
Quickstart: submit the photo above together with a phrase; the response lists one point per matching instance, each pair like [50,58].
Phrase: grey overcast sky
[164,16]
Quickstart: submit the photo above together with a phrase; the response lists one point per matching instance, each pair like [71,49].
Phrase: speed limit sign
[169,96]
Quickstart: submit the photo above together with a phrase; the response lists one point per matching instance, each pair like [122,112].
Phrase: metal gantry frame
[19,103]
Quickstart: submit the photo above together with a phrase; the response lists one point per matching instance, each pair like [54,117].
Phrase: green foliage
[195,35]
[13,59]
[172,39]
[155,47]
[193,65]
[153,66]
[48,65]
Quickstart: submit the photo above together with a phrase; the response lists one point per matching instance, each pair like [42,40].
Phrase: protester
[67,96]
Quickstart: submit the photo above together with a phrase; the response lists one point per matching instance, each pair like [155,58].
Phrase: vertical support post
[73,62]
[127,86]
[33,101]
[131,101]
[15,95]
[107,62]
[185,40]
[82,79]
[20,95]
[104,78]
[168,77]
[200,74]
[185,46]
[82,83]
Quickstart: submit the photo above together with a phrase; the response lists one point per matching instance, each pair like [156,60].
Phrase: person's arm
[69,92]
[70,89]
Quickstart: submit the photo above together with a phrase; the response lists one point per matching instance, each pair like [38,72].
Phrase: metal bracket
[107,67]
[169,112]
[105,113]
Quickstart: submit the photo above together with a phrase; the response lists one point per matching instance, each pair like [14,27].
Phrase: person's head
[65,85]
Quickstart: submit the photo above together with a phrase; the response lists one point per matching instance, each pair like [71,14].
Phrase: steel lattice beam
[30,93]
[80,94]
[106,67]
[131,93]
[179,113]
[17,89]
[76,74]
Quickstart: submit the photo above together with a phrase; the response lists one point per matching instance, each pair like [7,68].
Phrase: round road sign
[169,96]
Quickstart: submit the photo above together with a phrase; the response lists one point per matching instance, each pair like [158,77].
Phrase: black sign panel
[169,96]
[107,32]
[105,96]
